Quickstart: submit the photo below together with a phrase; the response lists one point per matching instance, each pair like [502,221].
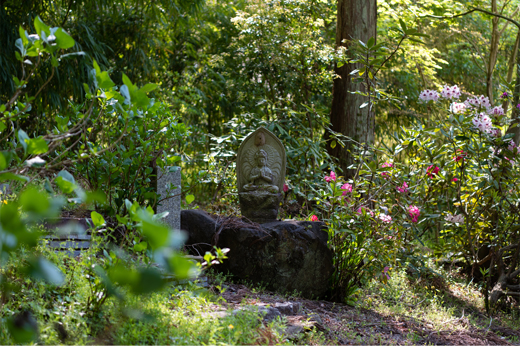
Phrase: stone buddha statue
[260,175]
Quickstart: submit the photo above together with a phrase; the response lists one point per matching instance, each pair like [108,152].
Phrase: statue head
[261,158]
[259,139]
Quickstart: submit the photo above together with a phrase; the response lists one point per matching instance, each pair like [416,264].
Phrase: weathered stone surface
[260,207]
[169,186]
[286,256]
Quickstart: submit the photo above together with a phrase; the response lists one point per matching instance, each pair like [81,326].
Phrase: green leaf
[22,137]
[67,176]
[3,162]
[12,176]
[63,39]
[41,27]
[41,268]
[142,246]
[403,25]
[32,200]
[333,144]
[371,42]
[190,199]
[150,280]
[36,146]
[23,35]
[65,185]
[127,81]
[97,219]
[148,87]
[2,126]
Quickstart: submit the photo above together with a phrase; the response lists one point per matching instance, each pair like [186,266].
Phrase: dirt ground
[341,324]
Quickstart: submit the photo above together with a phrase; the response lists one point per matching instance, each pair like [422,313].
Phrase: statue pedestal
[260,206]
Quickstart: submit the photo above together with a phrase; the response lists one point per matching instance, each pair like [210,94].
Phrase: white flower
[454,218]
[483,122]
[457,107]
[450,93]
[385,218]
[429,95]
[496,111]
[478,102]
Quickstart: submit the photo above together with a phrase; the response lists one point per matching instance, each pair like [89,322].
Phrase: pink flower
[403,188]
[368,211]
[387,164]
[518,106]
[385,218]
[460,155]
[414,213]
[498,110]
[432,170]
[330,178]
[285,188]
[454,180]
[385,273]
[347,187]
[314,218]
[504,95]
[483,122]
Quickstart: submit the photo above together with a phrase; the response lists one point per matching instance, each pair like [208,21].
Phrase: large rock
[286,256]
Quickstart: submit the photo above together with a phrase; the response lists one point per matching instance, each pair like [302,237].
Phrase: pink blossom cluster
[385,218]
[331,177]
[403,188]
[314,218]
[414,213]
[347,188]
[429,95]
[432,170]
[387,165]
[496,111]
[495,132]
[450,92]
[457,107]
[478,102]
[461,154]
[483,122]
[513,147]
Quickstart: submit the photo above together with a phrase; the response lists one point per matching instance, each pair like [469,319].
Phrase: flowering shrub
[451,181]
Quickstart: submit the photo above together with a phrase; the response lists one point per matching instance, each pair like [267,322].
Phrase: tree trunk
[356,20]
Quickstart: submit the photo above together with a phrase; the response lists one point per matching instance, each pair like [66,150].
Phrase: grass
[435,302]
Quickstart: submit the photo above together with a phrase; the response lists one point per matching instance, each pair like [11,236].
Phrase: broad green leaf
[65,185]
[190,199]
[41,268]
[36,146]
[12,176]
[63,39]
[148,87]
[156,234]
[2,126]
[3,162]
[97,219]
[22,137]
[41,27]
[150,280]
[67,176]
[32,200]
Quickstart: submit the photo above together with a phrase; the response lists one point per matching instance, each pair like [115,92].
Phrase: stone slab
[169,187]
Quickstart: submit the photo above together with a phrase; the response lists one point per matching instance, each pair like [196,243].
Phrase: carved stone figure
[260,175]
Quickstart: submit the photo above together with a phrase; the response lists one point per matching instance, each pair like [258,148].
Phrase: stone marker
[261,165]
[169,187]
